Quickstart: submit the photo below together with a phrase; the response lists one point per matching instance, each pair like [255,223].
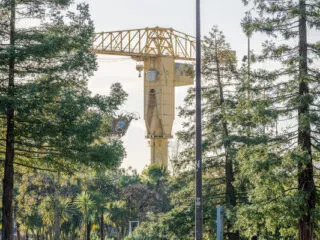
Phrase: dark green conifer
[50,117]
[295,81]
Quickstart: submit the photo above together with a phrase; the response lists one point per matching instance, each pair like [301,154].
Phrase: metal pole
[198,202]
[220,213]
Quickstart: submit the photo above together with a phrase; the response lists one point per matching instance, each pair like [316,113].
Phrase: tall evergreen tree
[219,66]
[50,116]
[295,88]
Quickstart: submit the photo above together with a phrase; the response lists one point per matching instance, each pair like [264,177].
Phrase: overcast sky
[109,15]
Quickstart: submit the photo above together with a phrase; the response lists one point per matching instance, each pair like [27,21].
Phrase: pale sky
[109,15]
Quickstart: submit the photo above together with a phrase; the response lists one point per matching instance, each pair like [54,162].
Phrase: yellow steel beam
[147,42]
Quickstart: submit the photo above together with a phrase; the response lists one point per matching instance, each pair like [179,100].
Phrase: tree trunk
[305,167]
[51,233]
[7,209]
[248,83]
[18,232]
[101,227]
[88,230]
[230,191]
[56,227]
[118,233]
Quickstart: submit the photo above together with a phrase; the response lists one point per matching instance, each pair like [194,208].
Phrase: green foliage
[278,173]
[85,204]
[50,118]
[219,135]
[151,231]
[257,124]
[274,204]
[56,118]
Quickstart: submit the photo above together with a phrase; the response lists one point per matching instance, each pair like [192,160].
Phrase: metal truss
[147,42]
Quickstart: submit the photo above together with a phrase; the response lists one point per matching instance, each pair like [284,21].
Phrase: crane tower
[157,52]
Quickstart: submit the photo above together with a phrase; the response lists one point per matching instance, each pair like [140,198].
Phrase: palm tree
[85,204]
[47,210]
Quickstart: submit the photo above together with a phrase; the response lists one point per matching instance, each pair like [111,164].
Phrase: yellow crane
[157,52]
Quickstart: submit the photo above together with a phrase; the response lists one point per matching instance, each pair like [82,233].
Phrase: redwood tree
[295,87]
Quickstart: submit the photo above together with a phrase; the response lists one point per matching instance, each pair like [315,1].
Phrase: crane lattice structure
[156,50]
[147,42]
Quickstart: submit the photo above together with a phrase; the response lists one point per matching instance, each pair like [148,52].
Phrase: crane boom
[146,42]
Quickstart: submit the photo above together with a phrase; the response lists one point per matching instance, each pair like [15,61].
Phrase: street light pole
[198,202]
